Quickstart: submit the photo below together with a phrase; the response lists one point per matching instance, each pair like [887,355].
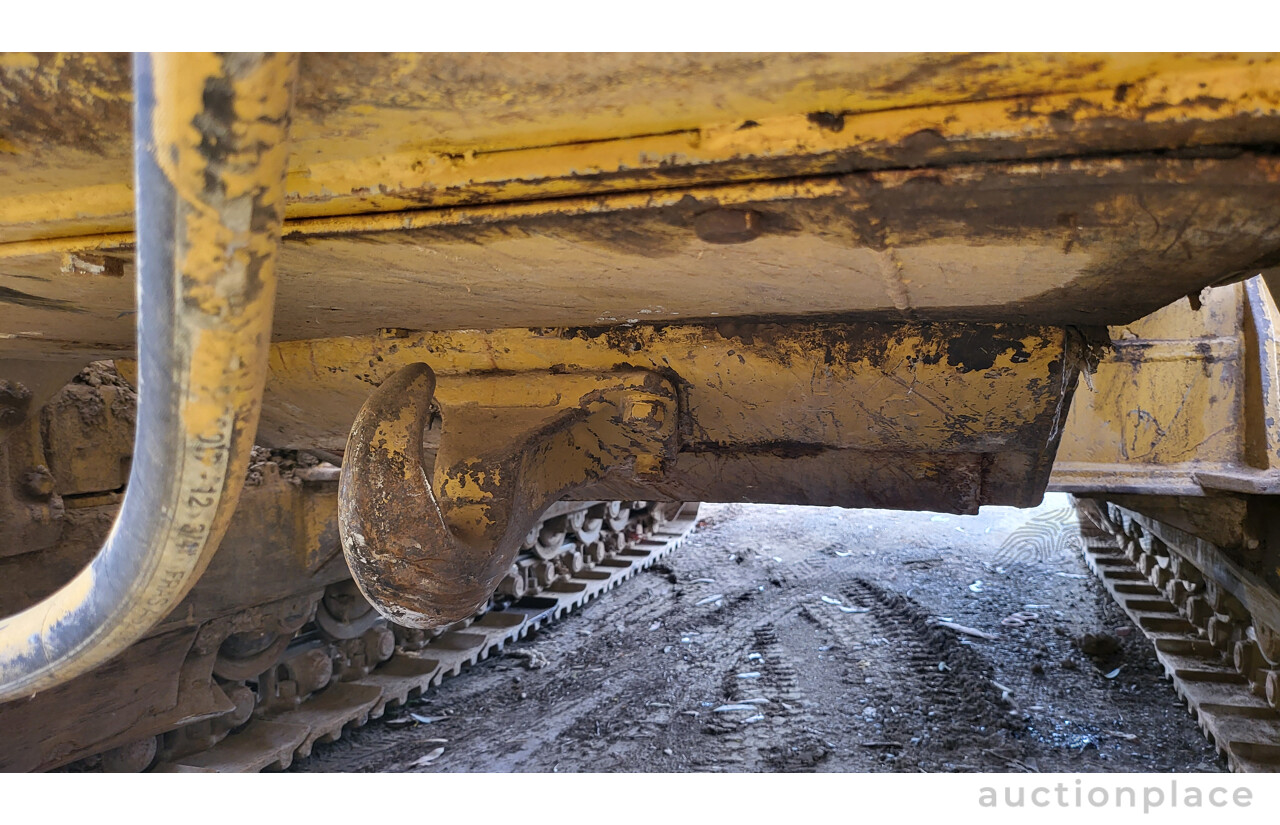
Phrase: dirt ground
[803,639]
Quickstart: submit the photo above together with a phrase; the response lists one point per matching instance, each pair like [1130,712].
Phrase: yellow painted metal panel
[379,133]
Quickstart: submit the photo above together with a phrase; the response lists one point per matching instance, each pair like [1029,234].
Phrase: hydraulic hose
[210,146]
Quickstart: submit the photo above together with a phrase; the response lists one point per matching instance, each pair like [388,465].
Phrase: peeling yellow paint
[464,129]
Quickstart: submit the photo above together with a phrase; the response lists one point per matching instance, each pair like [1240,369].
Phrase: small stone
[1098,645]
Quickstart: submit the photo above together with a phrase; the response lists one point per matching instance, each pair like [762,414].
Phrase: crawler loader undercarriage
[338,372]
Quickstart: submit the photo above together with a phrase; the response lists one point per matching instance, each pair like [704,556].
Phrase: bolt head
[244,700]
[1198,609]
[512,584]
[1245,656]
[1218,632]
[379,643]
[310,671]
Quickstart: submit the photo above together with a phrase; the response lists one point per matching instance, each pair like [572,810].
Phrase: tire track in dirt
[943,695]
[632,681]
[606,702]
[589,713]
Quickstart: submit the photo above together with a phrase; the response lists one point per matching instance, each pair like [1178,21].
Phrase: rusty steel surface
[426,559]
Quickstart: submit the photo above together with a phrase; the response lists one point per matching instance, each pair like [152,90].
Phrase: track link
[273,741]
[1227,703]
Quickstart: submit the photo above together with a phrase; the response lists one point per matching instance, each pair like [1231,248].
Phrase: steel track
[273,740]
[1228,704]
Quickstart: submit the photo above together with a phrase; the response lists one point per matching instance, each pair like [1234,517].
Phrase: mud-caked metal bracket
[429,541]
